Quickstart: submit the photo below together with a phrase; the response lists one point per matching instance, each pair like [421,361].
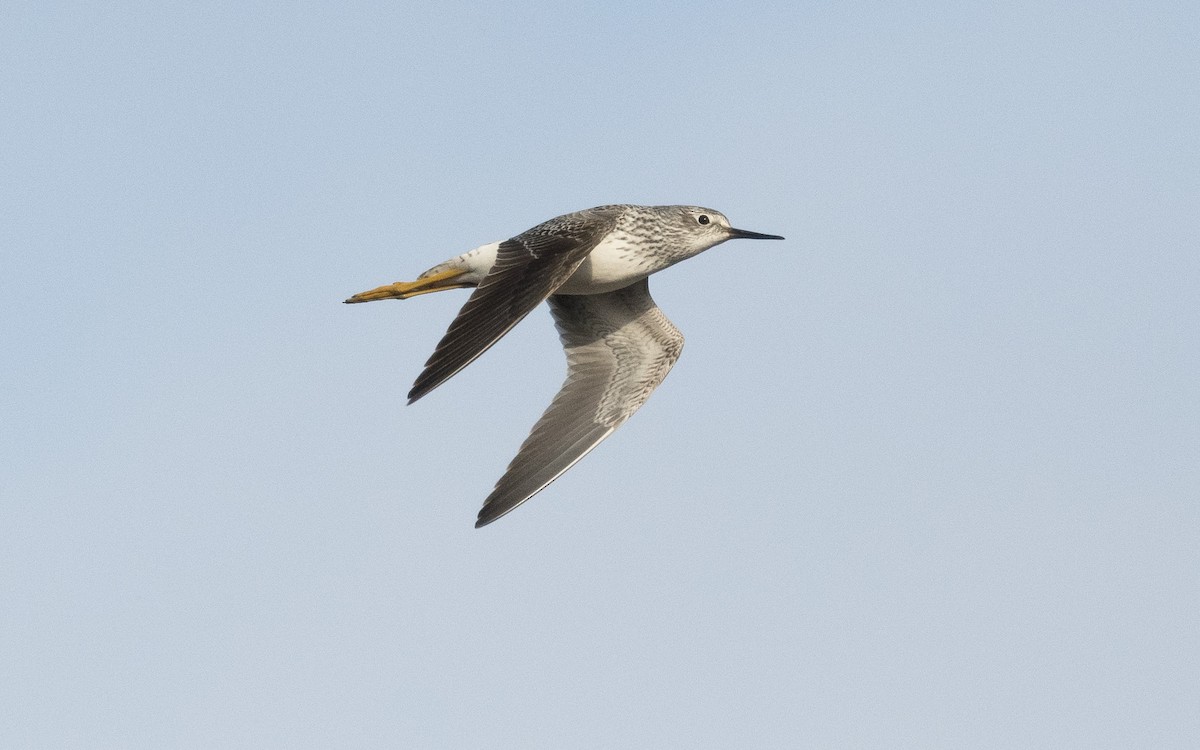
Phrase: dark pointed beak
[742,234]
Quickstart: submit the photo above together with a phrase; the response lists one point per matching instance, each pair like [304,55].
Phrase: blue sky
[925,476]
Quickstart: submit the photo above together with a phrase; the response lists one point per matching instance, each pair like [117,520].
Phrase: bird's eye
[702,218]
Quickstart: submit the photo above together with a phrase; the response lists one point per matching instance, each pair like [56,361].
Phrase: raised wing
[619,347]
[528,268]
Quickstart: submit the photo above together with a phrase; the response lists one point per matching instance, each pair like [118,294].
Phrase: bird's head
[704,228]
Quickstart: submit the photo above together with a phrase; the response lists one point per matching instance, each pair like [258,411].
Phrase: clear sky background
[927,474]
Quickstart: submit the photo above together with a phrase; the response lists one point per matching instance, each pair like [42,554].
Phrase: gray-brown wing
[619,347]
[528,268]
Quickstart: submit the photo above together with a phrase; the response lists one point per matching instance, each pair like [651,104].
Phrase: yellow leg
[436,282]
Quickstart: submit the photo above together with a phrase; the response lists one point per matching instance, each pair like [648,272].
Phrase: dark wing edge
[528,268]
[619,348]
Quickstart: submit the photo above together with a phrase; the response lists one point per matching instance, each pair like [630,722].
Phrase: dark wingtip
[487,514]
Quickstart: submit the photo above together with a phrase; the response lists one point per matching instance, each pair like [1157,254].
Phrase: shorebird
[592,266]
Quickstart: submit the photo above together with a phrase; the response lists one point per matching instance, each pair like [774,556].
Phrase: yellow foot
[404,289]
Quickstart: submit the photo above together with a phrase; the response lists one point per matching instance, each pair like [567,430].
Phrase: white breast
[611,265]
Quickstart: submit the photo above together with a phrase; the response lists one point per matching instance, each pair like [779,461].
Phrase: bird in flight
[592,267]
